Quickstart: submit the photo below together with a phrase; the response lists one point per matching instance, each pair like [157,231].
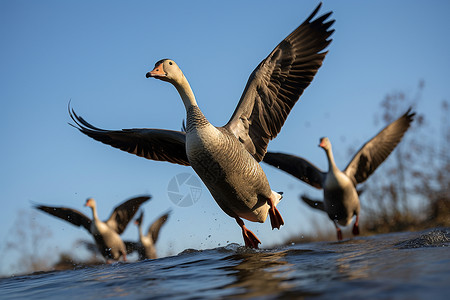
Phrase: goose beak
[323,142]
[88,202]
[157,72]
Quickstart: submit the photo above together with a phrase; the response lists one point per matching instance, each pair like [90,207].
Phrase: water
[391,266]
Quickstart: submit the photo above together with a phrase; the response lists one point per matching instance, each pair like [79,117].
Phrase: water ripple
[367,267]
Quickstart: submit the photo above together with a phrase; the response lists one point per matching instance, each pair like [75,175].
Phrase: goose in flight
[106,234]
[146,245]
[341,201]
[227,158]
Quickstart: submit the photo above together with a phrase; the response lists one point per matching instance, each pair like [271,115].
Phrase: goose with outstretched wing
[145,247]
[106,234]
[340,197]
[227,158]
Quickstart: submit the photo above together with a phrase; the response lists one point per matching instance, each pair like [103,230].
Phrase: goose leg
[250,238]
[275,217]
[124,256]
[339,232]
[356,226]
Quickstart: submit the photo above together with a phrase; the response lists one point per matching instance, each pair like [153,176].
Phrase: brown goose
[227,158]
[146,245]
[341,201]
[106,234]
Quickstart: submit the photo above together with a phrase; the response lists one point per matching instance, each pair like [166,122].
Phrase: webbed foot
[275,217]
[250,238]
[356,226]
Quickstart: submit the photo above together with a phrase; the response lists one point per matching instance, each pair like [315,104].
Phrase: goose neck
[94,213]
[186,93]
[140,232]
[331,164]
[195,119]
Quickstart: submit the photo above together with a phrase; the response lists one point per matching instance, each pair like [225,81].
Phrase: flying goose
[146,245]
[227,158]
[341,201]
[106,234]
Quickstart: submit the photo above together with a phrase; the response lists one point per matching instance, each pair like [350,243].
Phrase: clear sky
[96,54]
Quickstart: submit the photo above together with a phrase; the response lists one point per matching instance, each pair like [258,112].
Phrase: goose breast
[108,241]
[235,180]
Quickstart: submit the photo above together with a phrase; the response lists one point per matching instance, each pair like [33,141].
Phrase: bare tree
[25,245]
[411,190]
[437,190]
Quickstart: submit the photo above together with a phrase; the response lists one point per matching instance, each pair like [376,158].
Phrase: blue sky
[96,54]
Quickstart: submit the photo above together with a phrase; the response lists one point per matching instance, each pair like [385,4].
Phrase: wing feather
[70,215]
[154,229]
[297,167]
[374,152]
[122,214]
[277,83]
[154,144]
[317,204]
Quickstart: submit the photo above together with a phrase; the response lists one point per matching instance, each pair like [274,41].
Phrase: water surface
[390,266]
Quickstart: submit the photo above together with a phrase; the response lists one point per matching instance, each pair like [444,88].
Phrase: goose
[341,201]
[106,234]
[146,245]
[227,158]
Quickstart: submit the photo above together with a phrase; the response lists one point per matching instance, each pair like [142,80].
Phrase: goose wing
[375,151]
[277,83]
[296,166]
[90,246]
[70,215]
[154,144]
[153,230]
[123,213]
[133,246]
[317,204]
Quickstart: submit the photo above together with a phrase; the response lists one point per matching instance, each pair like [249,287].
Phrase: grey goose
[227,158]
[145,247]
[106,234]
[341,201]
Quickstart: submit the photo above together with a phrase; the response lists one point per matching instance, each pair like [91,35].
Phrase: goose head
[167,70]
[325,144]
[90,202]
[138,221]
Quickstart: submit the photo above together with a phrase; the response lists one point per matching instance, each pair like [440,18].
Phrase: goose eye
[170,63]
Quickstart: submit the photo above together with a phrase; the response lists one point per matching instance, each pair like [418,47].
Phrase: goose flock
[107,234]
[227,159]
